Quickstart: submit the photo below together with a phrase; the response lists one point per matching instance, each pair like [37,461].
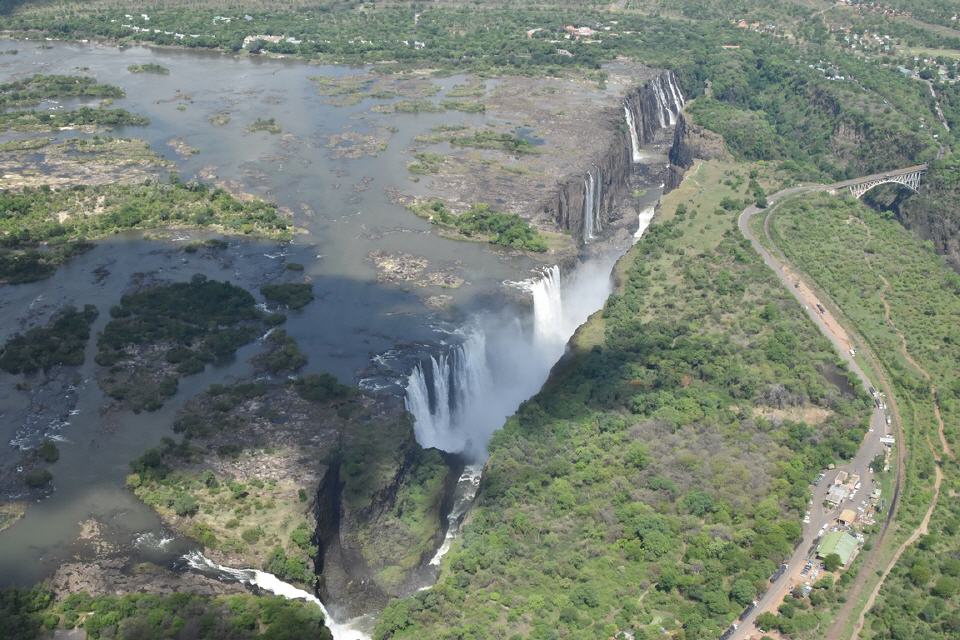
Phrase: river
[360,328]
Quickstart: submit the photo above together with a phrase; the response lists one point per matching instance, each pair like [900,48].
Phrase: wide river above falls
[359,328]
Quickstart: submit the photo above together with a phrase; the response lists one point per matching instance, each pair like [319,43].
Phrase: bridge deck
[879,176]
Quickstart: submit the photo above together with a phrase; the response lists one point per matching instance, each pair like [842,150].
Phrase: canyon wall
[583,202]
[379,519]
[934,212]
[693,141]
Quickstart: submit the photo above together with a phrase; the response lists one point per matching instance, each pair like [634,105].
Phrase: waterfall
[661,101]
[548,307]
[588,197]
[269,582]
[678,100]
[598,202]
[464,494]
[439,394]
[668,108]
[634,138]
[592,204]
[459,398]
[645,217]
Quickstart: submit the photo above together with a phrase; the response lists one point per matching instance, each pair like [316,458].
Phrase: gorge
[486,353]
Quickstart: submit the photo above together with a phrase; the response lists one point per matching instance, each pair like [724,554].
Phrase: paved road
[871,445]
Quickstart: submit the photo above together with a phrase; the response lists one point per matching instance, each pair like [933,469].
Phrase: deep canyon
[459,351]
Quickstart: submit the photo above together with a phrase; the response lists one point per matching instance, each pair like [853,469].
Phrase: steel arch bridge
[909,177]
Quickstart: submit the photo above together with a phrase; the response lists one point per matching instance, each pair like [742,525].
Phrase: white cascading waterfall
[463,496]
[645,218]
[598,203]
[669,99]
[588,197]
[439,393]
[592,204]
[548,325]
[269,582]
[661,102]
[636,155]
[678,100]
[460,399]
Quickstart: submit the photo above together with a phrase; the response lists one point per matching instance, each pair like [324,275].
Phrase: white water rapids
[273,584]
[644,219]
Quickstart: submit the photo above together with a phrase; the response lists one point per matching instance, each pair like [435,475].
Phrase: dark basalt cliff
[934,212]
[692,141]
[655,108]
[379,519]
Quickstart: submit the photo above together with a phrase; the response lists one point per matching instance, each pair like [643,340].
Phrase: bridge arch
[910,180]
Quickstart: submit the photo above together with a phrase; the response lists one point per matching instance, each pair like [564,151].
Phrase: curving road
[821,517]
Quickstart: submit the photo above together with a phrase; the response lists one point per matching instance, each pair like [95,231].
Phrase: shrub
[252,536]
[37,478]
[321,387]
[185,505]
[290,294]
[48,451]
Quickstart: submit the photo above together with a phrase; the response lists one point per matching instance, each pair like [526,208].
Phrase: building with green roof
[840,543]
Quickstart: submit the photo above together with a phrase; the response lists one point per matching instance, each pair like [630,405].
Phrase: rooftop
[840,543]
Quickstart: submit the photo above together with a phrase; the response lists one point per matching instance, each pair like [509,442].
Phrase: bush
[321,387]
[252,536]
[185,505]
[282,354]
[48,451]
[37,478]
[290,294]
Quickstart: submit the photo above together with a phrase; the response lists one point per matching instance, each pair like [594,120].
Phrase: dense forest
[180,616]
[904,300]
[164,332]
[599,512]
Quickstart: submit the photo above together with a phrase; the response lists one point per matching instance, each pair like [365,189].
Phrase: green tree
[832,562]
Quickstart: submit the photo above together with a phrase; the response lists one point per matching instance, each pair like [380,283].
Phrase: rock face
[693,141]
[584,201]
[369,550]
[272,460]
[117,576]
[934,212]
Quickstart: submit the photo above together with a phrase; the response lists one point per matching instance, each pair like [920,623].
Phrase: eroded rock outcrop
[934,212]
[314,482]
[692,141]
[585,201]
